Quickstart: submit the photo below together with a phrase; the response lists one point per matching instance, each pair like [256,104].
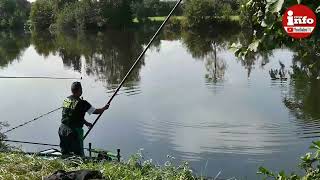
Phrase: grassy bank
[18,166]
[162,18]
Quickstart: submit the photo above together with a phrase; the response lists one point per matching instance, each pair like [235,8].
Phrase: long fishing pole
[34,119]
[28,142]
[35,77]
[33,143]
[135,63]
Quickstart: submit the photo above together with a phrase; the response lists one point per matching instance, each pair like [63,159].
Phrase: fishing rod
[118,156]
[135,63]
[34,119]
[29,142]
[36,77]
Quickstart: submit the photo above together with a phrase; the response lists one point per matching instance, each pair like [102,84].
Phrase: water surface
[190,98]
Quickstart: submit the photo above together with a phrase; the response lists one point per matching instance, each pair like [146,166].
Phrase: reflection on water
[12,44]
[304,103]
[190,97]
[107,56]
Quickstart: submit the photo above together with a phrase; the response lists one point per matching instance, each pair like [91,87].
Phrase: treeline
[204,12]
[76,14]
[143,9]
[84,14]
[94,14]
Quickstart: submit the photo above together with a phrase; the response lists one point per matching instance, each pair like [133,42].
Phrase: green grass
[18,166]
[162,18]
[234,18]
[158,18]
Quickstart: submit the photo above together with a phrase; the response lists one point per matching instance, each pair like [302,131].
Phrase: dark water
[190,98]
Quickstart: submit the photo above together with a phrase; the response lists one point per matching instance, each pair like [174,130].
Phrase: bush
[226,11]
[66,19]
[13,13]
[310,163]
[78,16]
[115,12]
[201,12]
[42,14]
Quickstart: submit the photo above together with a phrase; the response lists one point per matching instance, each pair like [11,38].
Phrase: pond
[189,98]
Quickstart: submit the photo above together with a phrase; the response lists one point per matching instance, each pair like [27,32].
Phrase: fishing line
[136,62]
[43,115]
[34,77]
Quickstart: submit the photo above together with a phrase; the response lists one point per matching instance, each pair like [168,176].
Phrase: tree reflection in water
[12,45]
[109,55]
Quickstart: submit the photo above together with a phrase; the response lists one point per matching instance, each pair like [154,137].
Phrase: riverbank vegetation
[309,163]
[88,14]
[18,166]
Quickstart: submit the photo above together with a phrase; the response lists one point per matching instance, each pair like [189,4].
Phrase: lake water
[190,98]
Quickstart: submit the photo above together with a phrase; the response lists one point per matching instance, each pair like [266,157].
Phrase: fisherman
[73,112]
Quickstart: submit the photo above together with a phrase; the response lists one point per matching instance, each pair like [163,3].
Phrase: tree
[13,13]
[200,12]
[42,14]
[116,12]
[268,33]
[142,9]
[79,15]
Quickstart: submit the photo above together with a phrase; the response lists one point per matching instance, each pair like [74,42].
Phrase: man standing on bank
[73,112]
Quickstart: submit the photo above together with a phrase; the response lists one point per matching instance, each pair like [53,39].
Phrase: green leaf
[254,45]
[263,170]
[299,1]
[318,10]
[276,5]
[315,145]
[282,176]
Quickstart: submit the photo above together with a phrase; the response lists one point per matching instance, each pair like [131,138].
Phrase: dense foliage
[42,14]
[93,14]
[309,163]
[264,19]
[17,166]
[13,13]
[142,9]
[78,15]
[88,14]
[203,13]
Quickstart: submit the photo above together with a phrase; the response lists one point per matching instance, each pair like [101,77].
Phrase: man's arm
[101,110]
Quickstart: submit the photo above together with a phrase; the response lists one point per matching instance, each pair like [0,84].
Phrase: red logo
[299,21]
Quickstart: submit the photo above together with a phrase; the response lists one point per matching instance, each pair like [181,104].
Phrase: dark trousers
[70,141]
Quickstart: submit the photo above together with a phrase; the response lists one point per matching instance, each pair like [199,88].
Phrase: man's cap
[76,86]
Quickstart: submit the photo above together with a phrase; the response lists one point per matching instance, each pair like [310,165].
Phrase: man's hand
[106,107]
[89,125]
[100,111]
